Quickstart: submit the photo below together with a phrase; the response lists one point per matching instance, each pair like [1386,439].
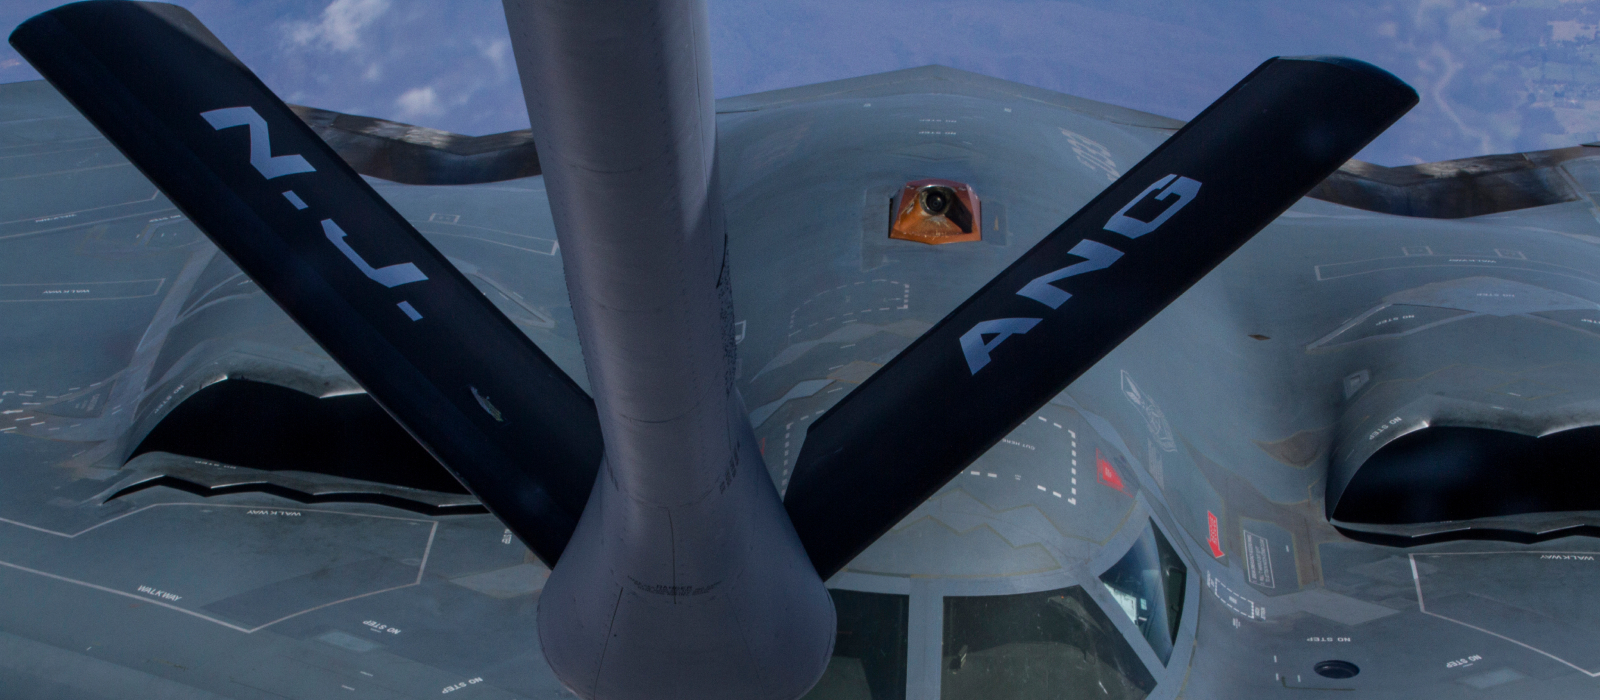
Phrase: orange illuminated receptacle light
[937,211]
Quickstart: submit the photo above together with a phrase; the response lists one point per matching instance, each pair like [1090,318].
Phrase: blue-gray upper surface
[1226,421]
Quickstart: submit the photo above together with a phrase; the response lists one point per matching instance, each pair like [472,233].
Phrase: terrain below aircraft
[914,385]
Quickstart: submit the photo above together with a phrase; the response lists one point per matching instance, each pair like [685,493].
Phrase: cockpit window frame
[1121,582]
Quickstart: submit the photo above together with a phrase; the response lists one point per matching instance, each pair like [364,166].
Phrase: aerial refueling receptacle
[936,211]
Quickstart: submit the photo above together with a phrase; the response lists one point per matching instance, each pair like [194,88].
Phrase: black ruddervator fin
[429,347]
[1086,287]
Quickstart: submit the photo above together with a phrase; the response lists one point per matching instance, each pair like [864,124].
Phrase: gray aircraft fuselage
[1228,422]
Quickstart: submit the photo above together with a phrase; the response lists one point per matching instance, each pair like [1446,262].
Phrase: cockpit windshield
[1147,584]
[1037,646]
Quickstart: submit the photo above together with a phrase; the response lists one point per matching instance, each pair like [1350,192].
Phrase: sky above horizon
[1494,77]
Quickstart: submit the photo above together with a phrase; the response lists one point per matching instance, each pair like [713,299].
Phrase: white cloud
[495,52]
[340,26]
[1571,30]
[418,102]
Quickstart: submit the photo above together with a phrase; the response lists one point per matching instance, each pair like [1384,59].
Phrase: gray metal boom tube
[684,577]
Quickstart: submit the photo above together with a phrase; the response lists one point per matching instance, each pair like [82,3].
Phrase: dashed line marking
[422,567]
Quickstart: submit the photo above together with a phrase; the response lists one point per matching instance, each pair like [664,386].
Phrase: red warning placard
[1106,473]
[1213,535]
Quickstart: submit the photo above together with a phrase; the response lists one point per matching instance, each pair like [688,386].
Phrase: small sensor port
[935,212]
[1336,669]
